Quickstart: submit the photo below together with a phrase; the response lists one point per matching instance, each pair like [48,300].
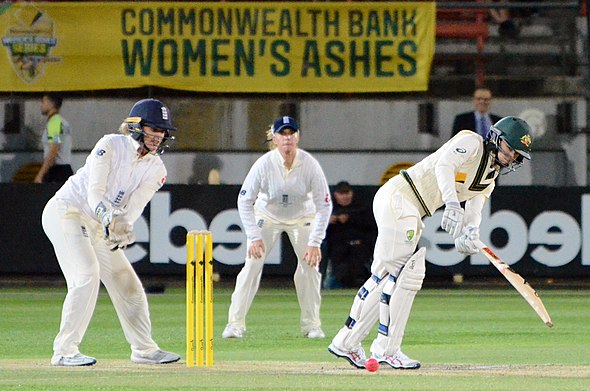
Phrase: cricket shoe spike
[397,361]
[79,360]
[356,359]
[158,357]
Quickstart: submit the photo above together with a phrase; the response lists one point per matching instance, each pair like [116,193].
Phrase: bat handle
[479,244]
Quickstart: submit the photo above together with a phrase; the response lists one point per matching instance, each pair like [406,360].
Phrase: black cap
[342,187]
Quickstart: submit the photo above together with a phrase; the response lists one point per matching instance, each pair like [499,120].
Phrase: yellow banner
[298,47]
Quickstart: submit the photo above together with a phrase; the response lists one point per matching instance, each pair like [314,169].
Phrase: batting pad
[364,313]
[396,304]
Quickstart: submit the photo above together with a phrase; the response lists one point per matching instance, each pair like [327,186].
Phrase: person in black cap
[349,238]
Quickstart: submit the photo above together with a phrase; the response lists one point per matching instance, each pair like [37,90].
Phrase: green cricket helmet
[517,134]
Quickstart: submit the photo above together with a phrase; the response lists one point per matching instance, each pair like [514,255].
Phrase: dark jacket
[467,121]
[360,224]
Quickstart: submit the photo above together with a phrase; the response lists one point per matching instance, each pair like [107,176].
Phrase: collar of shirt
[281,161]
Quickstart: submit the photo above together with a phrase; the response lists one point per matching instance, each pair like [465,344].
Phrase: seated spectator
[480,119]
[349,238]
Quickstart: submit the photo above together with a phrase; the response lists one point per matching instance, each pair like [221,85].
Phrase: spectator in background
[507,27]
[479,120]
[349,238]
[57,143]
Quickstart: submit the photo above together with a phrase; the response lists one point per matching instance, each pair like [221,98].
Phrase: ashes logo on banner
[29,41]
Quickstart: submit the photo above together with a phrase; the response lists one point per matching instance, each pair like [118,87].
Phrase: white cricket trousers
[307,279]
[86,260]
[400,228]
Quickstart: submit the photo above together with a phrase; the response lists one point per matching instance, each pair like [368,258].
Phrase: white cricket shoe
[79,360]
[158,357]
[233,332]
[315,333]
[397,361]
[356,359]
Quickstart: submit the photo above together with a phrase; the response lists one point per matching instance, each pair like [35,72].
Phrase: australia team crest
[28,40]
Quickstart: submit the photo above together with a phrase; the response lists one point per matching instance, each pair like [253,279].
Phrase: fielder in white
[90,219]
[284,191]
[464,169]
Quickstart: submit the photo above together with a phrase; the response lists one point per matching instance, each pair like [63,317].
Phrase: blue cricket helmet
[151,112]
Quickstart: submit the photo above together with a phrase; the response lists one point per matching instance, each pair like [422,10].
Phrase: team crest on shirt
[410,235]
[285,201]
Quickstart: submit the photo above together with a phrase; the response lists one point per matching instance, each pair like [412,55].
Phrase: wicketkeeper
[90,219]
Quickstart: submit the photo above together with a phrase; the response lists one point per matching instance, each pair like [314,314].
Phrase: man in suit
[480,120]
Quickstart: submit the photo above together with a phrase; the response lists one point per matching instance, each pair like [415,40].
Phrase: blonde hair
[269,138]
[124,128]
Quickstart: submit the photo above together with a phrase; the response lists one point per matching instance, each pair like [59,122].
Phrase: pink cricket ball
[372,365]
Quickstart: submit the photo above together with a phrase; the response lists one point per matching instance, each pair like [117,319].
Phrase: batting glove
[452,220]
[465,244]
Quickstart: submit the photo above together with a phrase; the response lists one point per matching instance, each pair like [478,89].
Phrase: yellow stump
[199,298]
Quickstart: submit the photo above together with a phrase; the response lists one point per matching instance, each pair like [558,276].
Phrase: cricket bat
[519,283]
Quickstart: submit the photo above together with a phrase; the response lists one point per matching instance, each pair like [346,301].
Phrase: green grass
[467,339]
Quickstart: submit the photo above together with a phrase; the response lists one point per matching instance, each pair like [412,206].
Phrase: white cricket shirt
[116,175]
[286,195]
[460,170]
